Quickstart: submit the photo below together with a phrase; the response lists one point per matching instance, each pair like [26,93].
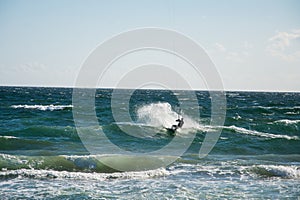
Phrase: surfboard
[171,130]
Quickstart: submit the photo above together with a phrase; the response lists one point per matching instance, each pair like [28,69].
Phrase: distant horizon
[111,88]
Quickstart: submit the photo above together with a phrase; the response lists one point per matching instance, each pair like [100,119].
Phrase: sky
[254,44]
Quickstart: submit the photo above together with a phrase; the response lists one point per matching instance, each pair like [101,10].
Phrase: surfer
[174,127]
[179,125]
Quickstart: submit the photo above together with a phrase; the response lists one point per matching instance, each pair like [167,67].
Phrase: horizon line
[112,88]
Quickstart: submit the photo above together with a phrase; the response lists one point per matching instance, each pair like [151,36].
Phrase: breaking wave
[42,174]
[277,107]
[162,115]
[276,171]
[43,107]
[287,121]
[84,163]
[260,134]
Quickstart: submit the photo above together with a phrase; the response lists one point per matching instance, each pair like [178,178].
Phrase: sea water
[42,156]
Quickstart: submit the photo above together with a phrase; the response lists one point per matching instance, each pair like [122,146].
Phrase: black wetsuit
[179,125]
[180,122]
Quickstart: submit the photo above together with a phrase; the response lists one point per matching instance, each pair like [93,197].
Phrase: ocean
[43,156]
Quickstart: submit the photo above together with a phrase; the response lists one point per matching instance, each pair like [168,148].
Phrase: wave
[42,174]
[50,107]
[42,132]
[287,121]
[260,134]
[84,163]
[8,137]
[277,107]
[276,171]
[247,132]
[88,167]
[292,113]
[224,170]
[161,115]
[234,168]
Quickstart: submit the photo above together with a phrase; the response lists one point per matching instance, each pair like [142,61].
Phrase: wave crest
[41,174]
[287,121]
[161,114]
[276,171]
[260,134]
[50,107]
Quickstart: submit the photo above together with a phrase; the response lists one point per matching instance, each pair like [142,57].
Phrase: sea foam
[43,107]
[161,114]
[38,174]
[260,134]
[287,121]
[276,171]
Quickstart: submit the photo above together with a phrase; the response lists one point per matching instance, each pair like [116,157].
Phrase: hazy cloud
[33,66]
[219,47]
[285,45]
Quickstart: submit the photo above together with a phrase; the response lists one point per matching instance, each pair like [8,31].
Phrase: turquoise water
[43,156]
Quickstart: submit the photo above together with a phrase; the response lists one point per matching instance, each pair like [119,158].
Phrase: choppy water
[42,156]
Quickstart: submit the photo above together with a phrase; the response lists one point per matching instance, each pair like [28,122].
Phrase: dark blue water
[42,154]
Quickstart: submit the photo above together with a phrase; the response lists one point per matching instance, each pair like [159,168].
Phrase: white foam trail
[287,121]
[277,107]
[43,107]
[33,173]
[260,134]
[8,137]
[292,113]
[161,114]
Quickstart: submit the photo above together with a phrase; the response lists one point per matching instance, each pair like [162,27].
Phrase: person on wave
[179,125]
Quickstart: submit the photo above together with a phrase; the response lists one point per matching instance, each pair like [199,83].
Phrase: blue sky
[255,44]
